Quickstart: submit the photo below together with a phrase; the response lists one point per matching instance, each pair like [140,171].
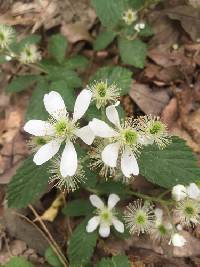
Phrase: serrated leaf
[176,164]
[109,12]
[117,75]
[132,52]
[146,32]
[76,62]
[18,262]
[116,261]
[27,184]
[104,39]
[81,245]
[57,47]
[21,83]
[78,207]
[52,258]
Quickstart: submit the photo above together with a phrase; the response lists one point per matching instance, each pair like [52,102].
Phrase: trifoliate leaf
[21,83]
[116,261]
[78,207]
[109,12]
[176,164]
[18,262]
[103,40]
[132,52]
[57,47]
[117,75]
[27,184]
[81,245]
[52,258]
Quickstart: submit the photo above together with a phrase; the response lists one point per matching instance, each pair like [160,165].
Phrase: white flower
[123,139]
[177,240]
[139,217]
[29,54]
[139,26]
[6,36]
[106,216]
[104,93]
[61,128]
[193,191]
[179,192]
[129,16]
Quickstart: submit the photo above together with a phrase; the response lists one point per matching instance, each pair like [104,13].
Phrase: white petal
[104,230]
[46,152]
[112,115]
[129,163]
[110,154]
[55,105]
[39,128]
[179,192]
[82,103]
[193,191]
[158,213]
[119,226]
[96,202]
[178,240]
[86,134]
[101,129]
[92,224]
[112,200]
[68,163]
[145,140]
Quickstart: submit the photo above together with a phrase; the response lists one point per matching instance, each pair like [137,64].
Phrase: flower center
[101,89]
[156,127]
[2,37]
[140,218]
[162,229]
[189,210]
[40,141]
[130,136]
[106,215]
[64,128]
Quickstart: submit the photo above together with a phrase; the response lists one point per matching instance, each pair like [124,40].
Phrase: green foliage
[21,83]
[176,164]
[108,187]
[109,12]
[18,262]
[78,207]
[120,76]
[104,39]
[30,39]
[137,4]
[27,184]
[57,47]
[116,261]
[52,258]
[133,52]
[76,62]
[81,245]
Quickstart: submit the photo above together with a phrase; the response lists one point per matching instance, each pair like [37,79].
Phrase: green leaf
[27,184]
[136,4]
[110,12]
[76,62]
[81,245]
[18,262]
[52,258]
[57,47]
[116,261]
[146,32]
[78,207]
[21,83]
[109,187]
[104,39]
[117,75]
[30,39]
[176,164]
[92,112]
[3,59]
[36,108]
[133,52]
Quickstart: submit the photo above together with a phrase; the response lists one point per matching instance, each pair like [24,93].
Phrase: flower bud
[179,192]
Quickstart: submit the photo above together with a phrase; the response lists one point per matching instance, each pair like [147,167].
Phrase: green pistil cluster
[129,137]
[101,89]
[156,128]
[106,215]
[65,128]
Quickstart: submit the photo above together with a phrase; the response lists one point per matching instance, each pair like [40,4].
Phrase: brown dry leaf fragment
[170,112]
[189,17]
[76,32]
[150,101]
[194,3]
